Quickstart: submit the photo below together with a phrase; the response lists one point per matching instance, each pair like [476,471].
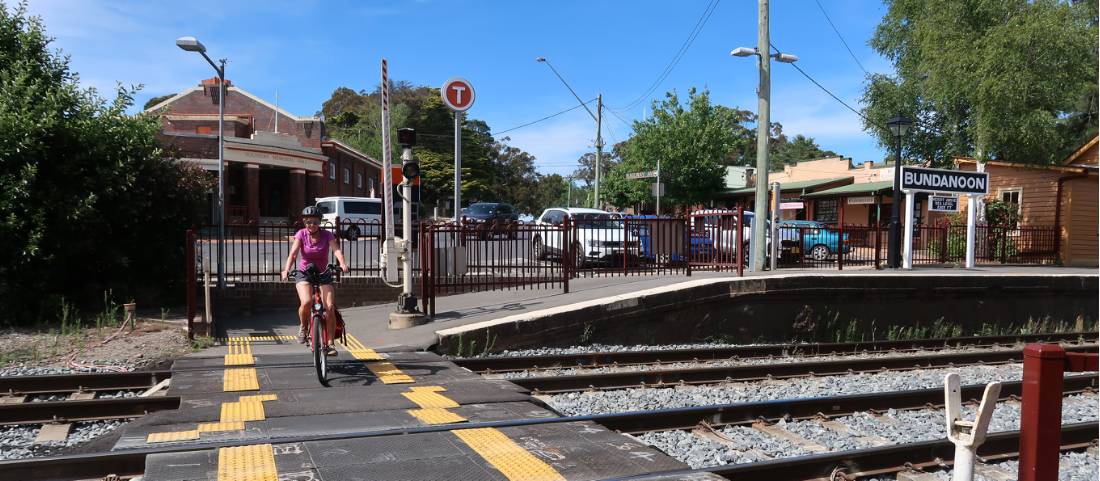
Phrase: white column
[907,247]
[971,221]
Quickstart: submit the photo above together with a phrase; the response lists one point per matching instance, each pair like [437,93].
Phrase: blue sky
[305,49]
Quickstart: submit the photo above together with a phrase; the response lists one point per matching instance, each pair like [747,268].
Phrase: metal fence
[470,256]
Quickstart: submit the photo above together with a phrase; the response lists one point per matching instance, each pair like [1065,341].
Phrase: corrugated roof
[802,184]
[856,189]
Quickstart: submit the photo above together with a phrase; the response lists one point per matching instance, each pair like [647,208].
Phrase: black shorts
[299,277]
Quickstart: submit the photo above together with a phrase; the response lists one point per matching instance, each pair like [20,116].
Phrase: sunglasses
[312,222]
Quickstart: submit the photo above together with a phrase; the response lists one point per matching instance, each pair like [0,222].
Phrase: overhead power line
[548,117]
[841,37]
[699,24]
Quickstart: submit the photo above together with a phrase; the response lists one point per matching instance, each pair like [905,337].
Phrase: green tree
[1004,79]
[693,139]
[88,199]
[801,148]
[156,100]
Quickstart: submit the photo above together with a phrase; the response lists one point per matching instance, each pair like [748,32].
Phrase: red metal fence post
[740,242]
[1041,412]
[191,283]
[686,230]
[840,241]
[567,251]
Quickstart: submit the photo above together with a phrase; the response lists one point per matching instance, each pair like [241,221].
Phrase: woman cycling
[314,243]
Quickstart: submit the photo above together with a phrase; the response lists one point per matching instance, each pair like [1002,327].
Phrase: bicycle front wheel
[320,360]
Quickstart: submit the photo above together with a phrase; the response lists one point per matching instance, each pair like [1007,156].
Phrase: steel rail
[87,382]
[712,375]
[595,359]
[132,462]
[861,463]
[84,410]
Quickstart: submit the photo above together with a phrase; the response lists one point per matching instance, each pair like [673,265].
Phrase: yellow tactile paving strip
[190,435]
[361,352]
[435,416]
[514,462]
[220,426]
[247,463]
[429,398]
[243,411]
[233,416]
[240,379]
[388,373]
[240,354]
[256,338]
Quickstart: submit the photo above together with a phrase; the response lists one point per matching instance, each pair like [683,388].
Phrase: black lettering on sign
[940,180]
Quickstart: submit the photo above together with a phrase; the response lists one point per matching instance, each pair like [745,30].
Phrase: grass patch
[199,343]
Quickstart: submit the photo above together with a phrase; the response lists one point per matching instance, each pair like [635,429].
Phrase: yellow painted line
[247,463]
[240,379]
[514,462]
[389,374]
[435,416]
[430,399]
[175,436]
[243,411]
[222,426]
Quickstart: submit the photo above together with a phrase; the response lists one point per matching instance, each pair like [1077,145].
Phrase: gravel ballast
[17,442]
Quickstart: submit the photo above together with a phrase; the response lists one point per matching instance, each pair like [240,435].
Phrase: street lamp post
[899,125]
[191,44]
[598,117]
[763,121]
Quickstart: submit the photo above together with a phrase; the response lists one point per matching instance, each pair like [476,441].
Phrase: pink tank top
[316,253]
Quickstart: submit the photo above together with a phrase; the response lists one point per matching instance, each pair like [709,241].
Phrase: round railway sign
[457,94]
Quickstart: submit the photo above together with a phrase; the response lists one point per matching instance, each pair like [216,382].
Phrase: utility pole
[599,148]
[763,122]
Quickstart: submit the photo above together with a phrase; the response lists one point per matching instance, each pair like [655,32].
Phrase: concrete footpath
[370,323]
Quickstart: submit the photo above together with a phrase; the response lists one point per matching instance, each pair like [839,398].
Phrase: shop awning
[801,186]
[867,188]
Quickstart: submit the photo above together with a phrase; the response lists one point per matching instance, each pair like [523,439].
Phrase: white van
[363,213]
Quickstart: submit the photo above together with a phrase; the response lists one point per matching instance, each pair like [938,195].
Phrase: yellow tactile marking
[514,462]
[435,416]
[260,397]
[240,379]
[388,373]
[240,354]
[174,436]
[428,388]
[361,352]
[247,463]
[222,426]
[430,398]
[243,411]
[257,338]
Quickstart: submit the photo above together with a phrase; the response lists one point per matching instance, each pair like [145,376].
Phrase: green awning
[868,188]
[794,186]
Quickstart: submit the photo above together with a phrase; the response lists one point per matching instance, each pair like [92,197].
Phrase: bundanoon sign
[940,180]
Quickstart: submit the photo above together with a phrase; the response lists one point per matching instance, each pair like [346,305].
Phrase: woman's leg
[305,298]
[328,296]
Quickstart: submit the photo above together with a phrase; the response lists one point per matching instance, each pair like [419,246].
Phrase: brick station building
[276,162]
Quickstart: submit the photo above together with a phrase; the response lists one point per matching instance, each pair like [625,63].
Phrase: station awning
[801,186]
[867,188]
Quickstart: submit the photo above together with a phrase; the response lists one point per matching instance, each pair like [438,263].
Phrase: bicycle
[318,332]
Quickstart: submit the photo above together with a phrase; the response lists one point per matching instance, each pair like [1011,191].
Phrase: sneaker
[303,335]
[330,351]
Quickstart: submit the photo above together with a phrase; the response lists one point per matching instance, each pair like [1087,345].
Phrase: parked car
[597,236]
[364,213]
[701,245]
[817,240]
[492,218]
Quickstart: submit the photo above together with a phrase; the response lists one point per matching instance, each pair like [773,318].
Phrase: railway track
[863,461]
[713,375]
[620,358]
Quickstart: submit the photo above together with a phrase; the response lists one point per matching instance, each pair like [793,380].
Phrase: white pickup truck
[597,236]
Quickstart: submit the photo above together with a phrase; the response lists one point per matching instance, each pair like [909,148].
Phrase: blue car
[701,245]
[817,240]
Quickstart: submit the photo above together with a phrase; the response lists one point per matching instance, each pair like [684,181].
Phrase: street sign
[940,180]
[657,189]
[457,94]
[866,199]
[941,203]
[642,175]
[791,205]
